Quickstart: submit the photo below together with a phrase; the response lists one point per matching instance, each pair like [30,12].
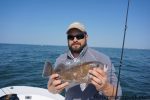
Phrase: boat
[27,93]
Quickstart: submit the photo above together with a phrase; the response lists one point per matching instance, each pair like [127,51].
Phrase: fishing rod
[122,51]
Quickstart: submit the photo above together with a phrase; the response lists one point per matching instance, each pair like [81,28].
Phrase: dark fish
[77,73]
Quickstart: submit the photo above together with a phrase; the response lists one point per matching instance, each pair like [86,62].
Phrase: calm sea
[23,64]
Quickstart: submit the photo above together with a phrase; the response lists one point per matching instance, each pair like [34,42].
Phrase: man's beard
[77,50]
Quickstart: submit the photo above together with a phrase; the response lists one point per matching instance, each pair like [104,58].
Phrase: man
[103,84]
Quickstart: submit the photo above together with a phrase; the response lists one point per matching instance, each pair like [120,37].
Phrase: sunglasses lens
[79,36]
[70,37]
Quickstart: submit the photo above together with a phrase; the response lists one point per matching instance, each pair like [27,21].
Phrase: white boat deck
[30,93]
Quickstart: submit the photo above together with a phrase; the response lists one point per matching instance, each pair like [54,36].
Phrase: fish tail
[48,69]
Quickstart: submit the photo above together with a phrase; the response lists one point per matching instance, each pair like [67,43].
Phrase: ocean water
[23,65]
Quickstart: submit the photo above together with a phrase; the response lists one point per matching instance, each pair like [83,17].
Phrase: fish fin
[47,70]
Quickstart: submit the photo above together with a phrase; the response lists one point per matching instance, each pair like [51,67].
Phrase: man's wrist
[108,90]
[106,87]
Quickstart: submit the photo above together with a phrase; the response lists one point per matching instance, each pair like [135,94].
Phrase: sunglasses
[78,36]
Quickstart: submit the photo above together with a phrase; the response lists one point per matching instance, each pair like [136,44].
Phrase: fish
[75,73]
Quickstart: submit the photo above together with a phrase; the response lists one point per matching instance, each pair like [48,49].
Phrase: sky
[45,22]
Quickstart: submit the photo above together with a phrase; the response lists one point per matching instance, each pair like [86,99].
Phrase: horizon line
[67,46]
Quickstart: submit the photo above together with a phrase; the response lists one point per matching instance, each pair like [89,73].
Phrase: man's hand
[98,78]
[55,84]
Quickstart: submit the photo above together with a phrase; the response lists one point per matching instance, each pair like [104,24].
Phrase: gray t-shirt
[90,92]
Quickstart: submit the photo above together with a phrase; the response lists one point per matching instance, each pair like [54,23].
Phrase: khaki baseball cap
[76,25]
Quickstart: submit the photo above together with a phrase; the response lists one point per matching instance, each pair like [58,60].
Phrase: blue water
[23,65]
